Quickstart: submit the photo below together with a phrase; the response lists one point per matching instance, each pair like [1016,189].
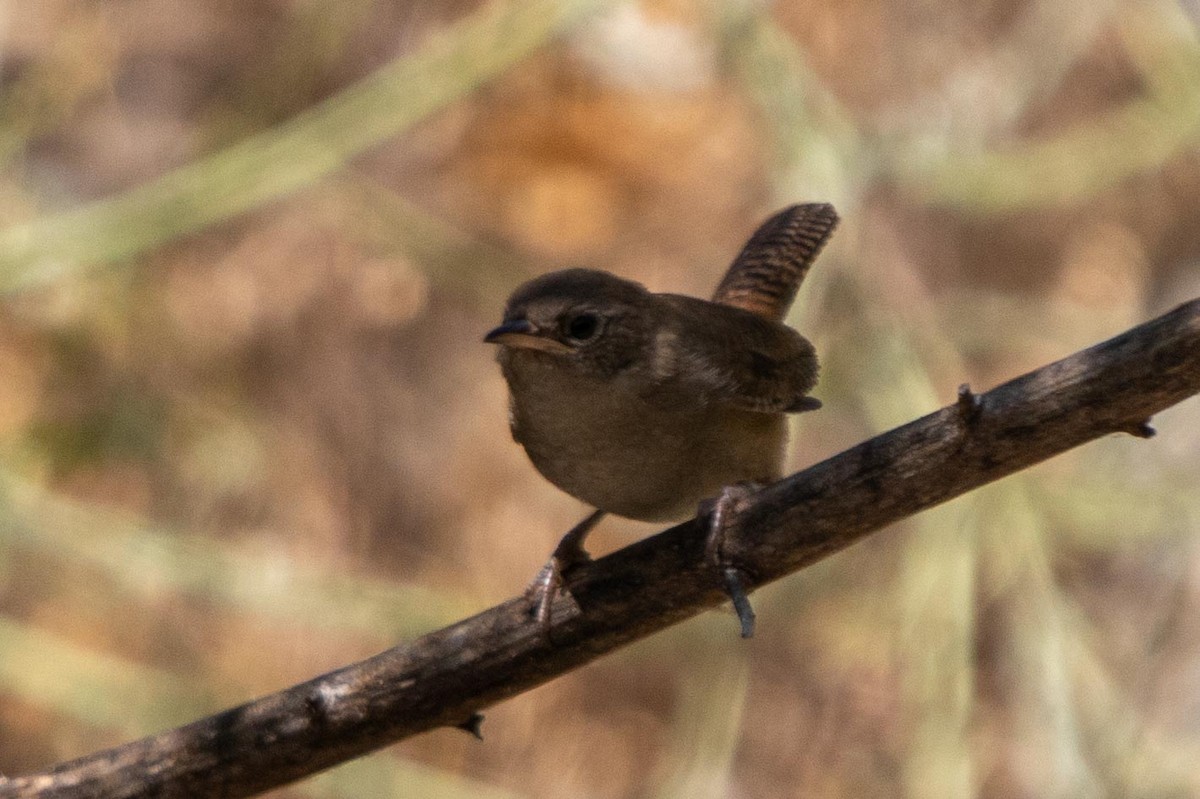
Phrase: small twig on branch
[446,677]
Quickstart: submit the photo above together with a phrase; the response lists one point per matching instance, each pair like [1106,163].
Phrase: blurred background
[249,432]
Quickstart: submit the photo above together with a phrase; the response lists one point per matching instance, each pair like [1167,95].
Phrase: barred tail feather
[765,276]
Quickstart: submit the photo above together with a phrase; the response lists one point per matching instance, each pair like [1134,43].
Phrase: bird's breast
[604,442]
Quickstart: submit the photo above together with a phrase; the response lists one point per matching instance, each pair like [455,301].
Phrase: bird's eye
[582,326]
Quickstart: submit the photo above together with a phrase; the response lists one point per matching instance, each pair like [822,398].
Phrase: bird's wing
[735,358]
[766,274]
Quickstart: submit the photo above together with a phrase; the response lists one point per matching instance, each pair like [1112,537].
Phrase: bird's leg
[567,555]
[720,514]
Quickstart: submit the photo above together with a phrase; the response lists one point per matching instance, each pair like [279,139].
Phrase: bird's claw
[549,583]
[720,513]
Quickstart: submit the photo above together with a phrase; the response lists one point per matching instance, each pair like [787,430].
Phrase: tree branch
[447,676]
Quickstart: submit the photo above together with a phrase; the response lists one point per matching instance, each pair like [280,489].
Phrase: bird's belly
[619,453]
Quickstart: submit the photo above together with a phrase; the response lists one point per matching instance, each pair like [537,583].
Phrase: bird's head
[590,320]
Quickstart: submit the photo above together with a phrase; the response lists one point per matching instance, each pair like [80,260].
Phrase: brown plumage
[644,404]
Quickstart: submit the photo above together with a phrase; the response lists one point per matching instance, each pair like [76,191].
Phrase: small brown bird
[646,405]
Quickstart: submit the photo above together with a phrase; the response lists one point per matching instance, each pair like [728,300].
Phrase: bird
[654,406]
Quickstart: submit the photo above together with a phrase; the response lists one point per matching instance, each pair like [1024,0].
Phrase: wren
[649,405]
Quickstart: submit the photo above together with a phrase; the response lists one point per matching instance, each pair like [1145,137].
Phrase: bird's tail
[765,276]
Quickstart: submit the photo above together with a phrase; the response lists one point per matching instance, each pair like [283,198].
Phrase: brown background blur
[249,432]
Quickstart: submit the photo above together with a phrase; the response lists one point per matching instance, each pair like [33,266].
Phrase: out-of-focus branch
[1135,138]
[292,155]
[446,677]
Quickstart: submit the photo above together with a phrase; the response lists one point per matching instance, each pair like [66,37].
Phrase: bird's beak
[523,333]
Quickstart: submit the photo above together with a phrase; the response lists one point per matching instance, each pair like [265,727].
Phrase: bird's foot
[721,512]
[549,582]
[548,585]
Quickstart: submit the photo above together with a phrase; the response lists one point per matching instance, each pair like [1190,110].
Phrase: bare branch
[446,677]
